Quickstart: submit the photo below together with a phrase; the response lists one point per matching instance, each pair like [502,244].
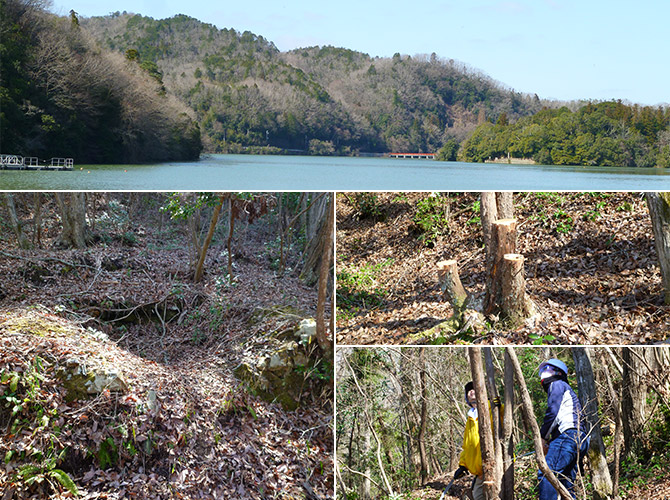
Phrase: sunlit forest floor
[590,265]
[647,485]
[185,427]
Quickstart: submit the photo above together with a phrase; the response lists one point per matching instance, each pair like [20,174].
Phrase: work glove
[496,402]
[460,472]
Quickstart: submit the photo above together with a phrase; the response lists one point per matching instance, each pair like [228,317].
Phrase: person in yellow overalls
[471,456]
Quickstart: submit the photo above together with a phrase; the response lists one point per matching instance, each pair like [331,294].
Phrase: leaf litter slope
[206,437]
[590,265]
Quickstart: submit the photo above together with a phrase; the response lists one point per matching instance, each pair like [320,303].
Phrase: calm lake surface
[308,173]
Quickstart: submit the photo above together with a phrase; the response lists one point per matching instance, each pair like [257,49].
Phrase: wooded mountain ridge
[61,95]
[324,100]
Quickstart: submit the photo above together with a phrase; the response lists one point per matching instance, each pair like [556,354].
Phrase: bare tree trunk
[367,446]
[314,250]
[75,233]
[424,416]
[659,210]
[505,204]
[618,427]
[491,480]
[531,423]
[199,268]
[232,214]
[507,490]
[489,214]
[633,403]
[324,280]
[37,239]
[601,479]
[16,223]
[495,415]
[494,206]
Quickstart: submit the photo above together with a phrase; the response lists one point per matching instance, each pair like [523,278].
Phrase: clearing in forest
[591,268]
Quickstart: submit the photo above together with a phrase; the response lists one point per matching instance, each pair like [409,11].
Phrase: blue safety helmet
[556,363]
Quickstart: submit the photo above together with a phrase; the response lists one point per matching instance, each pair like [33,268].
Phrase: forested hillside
[606,133]
[61,95]
[324,100]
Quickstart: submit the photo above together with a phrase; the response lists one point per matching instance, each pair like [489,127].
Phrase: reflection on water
[305,173]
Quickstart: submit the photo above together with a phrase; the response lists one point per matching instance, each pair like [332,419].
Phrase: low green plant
[537,339]
[108,453]
[366,205]
[626,206]
[432,218]
[47,471]
[357,287]
[594,213]
[564,222]
[476,211]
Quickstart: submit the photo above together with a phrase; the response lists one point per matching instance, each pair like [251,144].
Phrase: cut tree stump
[502,241]
[451,286]
[516,306]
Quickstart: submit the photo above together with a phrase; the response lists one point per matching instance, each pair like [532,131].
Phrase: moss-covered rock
[82,381]
[277,377]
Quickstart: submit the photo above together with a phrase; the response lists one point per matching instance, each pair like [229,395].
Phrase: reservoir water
[310,173]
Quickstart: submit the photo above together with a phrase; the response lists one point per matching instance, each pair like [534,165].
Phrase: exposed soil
[206,436]
[590,265]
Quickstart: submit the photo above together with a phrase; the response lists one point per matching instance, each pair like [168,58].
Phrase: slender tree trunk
[16,223]
[659,210]
[496,416]
[314,249]
[491,481]
[37,240]
[232,211]
[507,490]
[505,204]
[515,306]
[324,280]
[618,427]
[633,403]
[424,416]
[200,266]
[531,423]
[601,479]
[494,206]
[367,447]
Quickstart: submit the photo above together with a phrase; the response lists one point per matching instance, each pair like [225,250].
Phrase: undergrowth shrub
[366,206]
[432,218]
[358,288]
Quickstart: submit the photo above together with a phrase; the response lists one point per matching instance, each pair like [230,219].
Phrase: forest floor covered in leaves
[184,426]
[590,264]
[644,486]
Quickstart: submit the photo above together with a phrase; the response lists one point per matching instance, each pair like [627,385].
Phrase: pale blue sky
[559,49]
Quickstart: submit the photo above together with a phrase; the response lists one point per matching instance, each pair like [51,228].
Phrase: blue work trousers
[563,457]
